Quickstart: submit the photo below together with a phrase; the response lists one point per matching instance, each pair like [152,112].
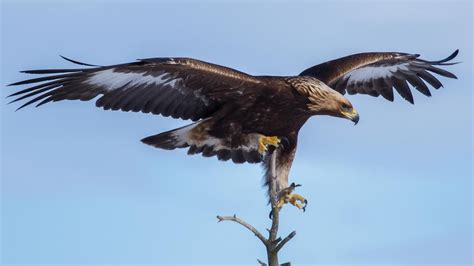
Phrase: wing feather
[417,83]
[430,79]
[379,73]
[179,87]
[384,88]
[402,88]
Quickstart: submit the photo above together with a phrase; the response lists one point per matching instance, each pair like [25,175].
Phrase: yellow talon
[285,196]
[296,197]
[264,141]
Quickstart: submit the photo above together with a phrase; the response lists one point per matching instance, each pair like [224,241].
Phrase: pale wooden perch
[273,244]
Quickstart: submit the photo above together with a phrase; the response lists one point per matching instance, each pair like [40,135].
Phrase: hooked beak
[353,116]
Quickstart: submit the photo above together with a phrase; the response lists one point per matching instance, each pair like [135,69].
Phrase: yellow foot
[285,196]
[264,141]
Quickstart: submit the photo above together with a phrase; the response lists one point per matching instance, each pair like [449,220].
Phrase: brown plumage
[346,74]
[234,111]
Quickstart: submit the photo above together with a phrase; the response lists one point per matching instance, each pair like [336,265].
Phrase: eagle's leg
[287,196]
[264,141]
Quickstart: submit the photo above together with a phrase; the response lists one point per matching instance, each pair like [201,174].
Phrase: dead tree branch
[273,243]
[284,241]
[245,224]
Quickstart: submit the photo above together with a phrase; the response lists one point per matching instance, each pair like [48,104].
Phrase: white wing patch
[373,72]
[112,80]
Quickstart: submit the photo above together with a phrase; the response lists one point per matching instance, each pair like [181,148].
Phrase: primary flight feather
[237,116]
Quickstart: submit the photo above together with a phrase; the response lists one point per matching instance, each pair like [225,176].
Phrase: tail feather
[200,142]
[169,140]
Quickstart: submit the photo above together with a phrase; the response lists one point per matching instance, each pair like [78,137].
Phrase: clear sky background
[78,187]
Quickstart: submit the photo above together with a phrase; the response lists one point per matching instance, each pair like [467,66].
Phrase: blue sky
[78,187]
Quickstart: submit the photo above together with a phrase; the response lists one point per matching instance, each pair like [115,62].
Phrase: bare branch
[245,224]
[273,198]
[274,243]
[284,241]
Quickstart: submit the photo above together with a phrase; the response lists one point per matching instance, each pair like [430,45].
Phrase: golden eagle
[237,116]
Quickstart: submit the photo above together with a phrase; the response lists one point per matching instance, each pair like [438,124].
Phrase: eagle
[236,116]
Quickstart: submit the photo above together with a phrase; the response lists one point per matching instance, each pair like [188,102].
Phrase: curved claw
[270,215]
[270,149]
[293,185]
[284,143]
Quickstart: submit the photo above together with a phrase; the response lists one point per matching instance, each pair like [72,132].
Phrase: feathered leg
[285,153]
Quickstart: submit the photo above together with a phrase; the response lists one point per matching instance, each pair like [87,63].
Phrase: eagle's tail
[170,140]
[197,138]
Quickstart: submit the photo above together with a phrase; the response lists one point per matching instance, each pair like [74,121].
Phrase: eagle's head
[325,101]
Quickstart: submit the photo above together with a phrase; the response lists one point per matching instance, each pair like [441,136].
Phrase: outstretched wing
[378,73]
[178,87]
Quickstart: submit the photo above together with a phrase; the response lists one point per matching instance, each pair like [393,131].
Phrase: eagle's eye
[345,106]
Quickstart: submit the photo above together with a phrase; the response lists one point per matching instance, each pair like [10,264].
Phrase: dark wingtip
[50,71]
[28,71]
[445,61]
[16,83]
[21,107]
[452,76]
[450,57]
[455,53]
[12,101]
[11,95]
[77,62]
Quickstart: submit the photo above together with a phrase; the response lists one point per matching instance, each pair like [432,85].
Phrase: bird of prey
[237,116]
